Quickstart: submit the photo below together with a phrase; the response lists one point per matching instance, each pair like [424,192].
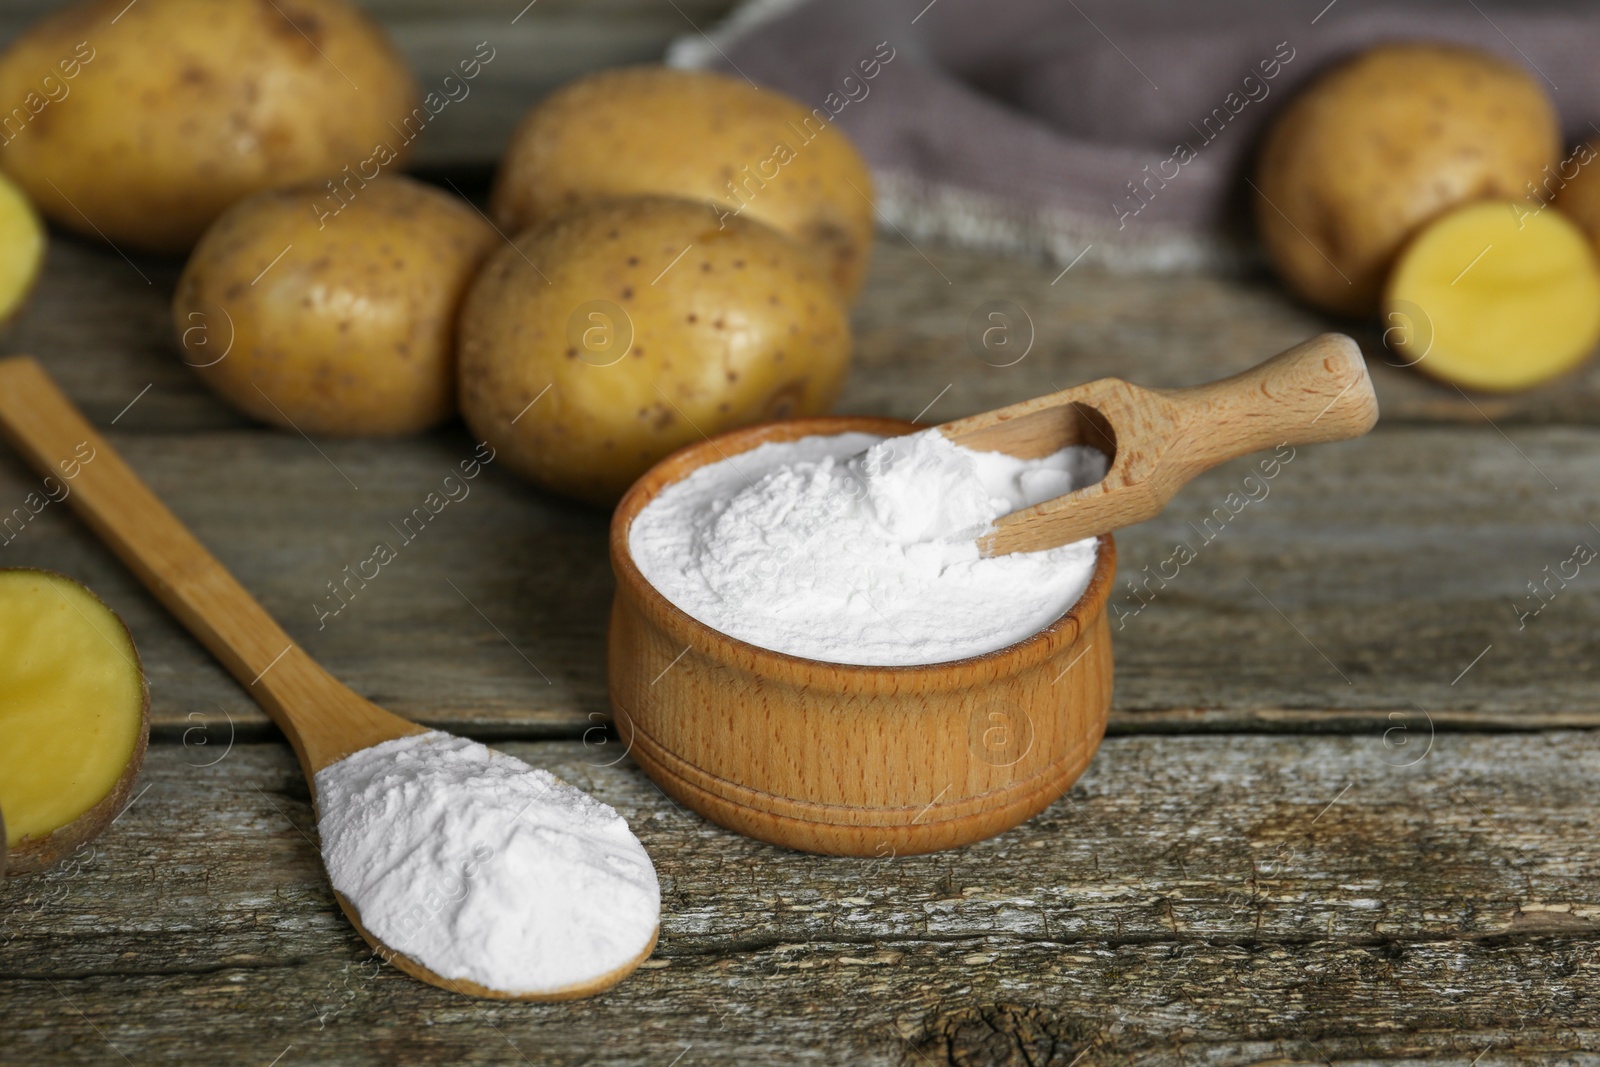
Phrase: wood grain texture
[534,566]
[926,321]
[1221,901]
[105,333]
[1195,900]
[324,720]
[842,759]
[1400,557]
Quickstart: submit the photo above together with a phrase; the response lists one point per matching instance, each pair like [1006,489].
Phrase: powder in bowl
[859,549]
[478,866]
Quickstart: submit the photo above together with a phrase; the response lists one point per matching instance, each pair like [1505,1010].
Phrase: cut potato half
[74,713]
[21,249]
[1491,297]
[1381,144]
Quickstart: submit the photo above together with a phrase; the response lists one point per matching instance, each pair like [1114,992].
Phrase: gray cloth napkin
[1119,132]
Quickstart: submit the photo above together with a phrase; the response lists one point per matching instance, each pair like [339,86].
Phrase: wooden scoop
[324,720]
[1158,439]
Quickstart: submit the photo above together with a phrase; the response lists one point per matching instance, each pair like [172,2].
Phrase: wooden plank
[491,613]
[923,318]
[1371,577]
[1192,900]
[104,326]
[530,59]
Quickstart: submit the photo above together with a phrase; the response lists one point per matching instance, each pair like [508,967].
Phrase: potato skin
[1382,144]
[730,325]
[1579,197]
[352,331]
[692,134]
[187,106]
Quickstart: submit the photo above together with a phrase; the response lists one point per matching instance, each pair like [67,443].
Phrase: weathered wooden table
[1349,810]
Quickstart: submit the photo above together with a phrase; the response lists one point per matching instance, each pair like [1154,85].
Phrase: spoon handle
[1315,392]
[42,424]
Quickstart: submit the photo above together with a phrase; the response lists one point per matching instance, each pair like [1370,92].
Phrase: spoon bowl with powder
[462,866]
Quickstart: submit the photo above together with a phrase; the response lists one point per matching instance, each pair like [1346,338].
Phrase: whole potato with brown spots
[611,336]
[698,135]
[140,123]
[1382,144]
[333,323]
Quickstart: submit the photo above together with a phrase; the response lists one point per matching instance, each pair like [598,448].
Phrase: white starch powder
[478,866]
[860,549]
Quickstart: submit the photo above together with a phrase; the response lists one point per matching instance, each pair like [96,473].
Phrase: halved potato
[1491,300]
[1379,145]
[21,249]
[74,713]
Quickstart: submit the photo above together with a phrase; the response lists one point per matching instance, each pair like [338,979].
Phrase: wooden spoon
[1158,439]
[323,719]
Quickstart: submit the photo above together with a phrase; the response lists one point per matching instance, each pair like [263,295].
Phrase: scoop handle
[1317,391]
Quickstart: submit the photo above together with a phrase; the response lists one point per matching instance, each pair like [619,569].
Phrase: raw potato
[143,132]
[1488,300]
[337,325]
[649,325]
[74,712]
[697,135]
[21,249]
[1380,145]
[1579,196]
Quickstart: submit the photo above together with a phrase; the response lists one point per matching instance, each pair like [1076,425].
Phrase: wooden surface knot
[1002,1035]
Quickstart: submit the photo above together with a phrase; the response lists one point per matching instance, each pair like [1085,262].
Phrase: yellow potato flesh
[1490,297]
[71,702]
[21,248]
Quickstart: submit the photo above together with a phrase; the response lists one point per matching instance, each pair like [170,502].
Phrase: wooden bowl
[849,760]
